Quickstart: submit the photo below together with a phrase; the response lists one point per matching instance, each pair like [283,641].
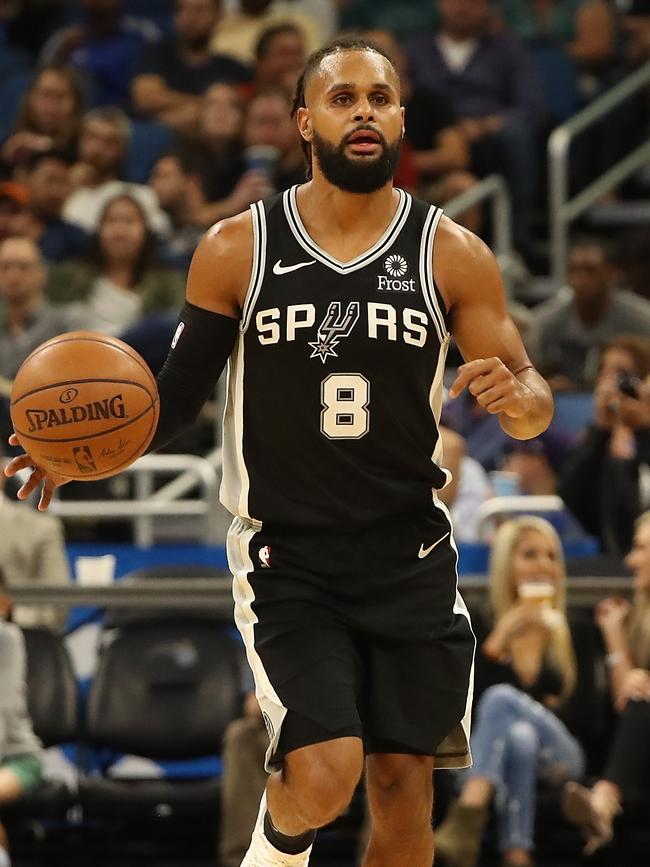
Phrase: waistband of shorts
[385,521]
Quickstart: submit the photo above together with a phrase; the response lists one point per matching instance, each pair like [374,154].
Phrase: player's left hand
[494,386]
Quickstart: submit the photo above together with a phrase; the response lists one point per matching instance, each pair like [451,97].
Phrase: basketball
[84,405]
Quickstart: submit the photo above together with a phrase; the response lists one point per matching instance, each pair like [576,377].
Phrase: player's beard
[360,175]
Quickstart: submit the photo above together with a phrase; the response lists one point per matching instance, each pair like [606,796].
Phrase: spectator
[279,57]
[635,24]
[434,142]
[493,86]
[244,778]
[228,187]
[27,318]
[105,134]
[240,29]
[178,189]
[518,735]
[468,488]
[48,118]
[32,551]
[21,769]
[172,75]
[104,47]
[13,209]
[47,178]
[570,330]
[536,463]
[606,479]
[626,633]
[268,124]
[635,260]
[585,29]
[122,281]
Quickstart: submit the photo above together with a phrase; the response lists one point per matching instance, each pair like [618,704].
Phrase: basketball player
[335,303]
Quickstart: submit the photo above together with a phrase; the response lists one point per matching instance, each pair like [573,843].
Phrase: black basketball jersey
[335,382]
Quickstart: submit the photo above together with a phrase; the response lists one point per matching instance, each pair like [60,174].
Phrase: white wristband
[614,658]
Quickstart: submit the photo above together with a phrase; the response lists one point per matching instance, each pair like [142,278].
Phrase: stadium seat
[53,707]
[164,690]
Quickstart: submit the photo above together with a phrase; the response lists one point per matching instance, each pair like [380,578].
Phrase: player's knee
[400,792]
[326,780]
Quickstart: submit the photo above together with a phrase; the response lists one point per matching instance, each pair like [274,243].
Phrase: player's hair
[267,36]
[503,596]
[341,43]
[639,626]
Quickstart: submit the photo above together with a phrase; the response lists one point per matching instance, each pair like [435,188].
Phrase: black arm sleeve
[201,346]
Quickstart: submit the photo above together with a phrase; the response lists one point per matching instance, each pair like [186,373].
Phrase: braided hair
[341,43]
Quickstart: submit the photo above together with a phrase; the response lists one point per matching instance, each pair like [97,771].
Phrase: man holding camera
[606,479]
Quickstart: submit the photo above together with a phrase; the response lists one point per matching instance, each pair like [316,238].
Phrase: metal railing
[562,209]
[149,504]
[493,188]
[215,594]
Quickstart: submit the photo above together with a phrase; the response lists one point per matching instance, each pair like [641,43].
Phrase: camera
[628,384]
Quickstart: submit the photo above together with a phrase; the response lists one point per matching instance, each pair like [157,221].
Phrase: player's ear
[304,124]
[403,111]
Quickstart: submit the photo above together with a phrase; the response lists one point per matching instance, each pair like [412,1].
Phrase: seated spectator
[177,186]
[32,551]
[21,769]
[626,633]
[585,29]
[402,19]
[635,25]
[14,199]
[280,55]
[518,735]
[434,142]
[229,185]
[570,330]
[468,488]
[121,282]
[606,478]
[104,138]
[494,89]
[104,47]
[48,117]
[27,318]
[268,124]
[536,463]
[239,30]
[172,75]
[47,178]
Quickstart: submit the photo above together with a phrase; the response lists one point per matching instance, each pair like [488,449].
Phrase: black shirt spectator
[164,60]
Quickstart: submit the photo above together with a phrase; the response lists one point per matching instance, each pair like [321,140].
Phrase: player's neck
[319,200]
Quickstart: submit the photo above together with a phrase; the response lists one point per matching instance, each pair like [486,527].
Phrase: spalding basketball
[84,405]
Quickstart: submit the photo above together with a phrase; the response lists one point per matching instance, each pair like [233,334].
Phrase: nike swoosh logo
[424,552]
[280,269]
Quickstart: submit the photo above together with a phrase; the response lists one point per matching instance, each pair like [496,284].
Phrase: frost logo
[396,266]
[335,326]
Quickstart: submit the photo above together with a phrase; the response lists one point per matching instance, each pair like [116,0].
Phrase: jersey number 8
[345,398]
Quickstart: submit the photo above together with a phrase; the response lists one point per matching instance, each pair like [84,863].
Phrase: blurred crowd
[128,127]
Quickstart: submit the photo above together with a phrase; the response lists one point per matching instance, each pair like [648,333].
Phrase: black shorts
[358,634]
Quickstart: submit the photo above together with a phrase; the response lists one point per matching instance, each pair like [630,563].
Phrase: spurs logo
[335,326]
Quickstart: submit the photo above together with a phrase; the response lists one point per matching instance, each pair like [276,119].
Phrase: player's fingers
[495,378]
[46,495]
[31,484]
[466,373]
[22,462]
[493,394]
[13,440]
[503,404]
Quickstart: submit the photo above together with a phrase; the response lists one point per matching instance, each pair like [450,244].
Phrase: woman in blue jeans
[518,737]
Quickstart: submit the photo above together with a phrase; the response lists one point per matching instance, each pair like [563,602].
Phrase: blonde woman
[626,633]
[517,735]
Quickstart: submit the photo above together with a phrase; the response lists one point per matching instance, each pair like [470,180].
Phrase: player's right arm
[217,283]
